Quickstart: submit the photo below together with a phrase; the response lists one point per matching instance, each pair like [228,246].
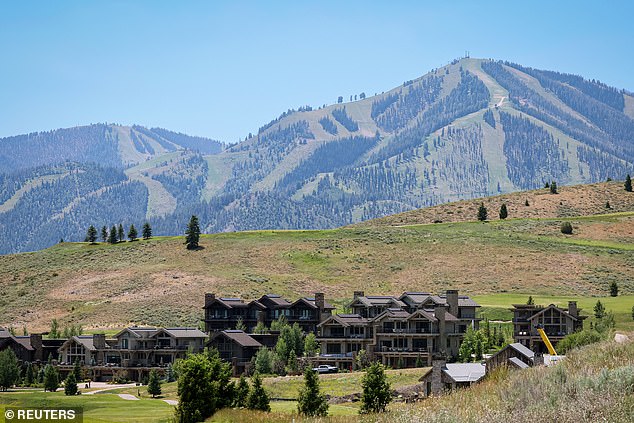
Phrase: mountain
[470,129]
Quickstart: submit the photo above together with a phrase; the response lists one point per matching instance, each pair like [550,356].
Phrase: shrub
[566,228]
[311,402]
[376,390]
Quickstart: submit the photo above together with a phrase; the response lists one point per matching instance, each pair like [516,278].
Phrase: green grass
[97,408]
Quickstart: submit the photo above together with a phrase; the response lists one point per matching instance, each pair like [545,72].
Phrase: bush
[566,228]
[578,339]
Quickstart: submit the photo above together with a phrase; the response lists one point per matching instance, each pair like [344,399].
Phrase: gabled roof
[379,300]
[465,372]
[450,317]
[228,303]
[23,341]
[240,338]
[518,363]
[394,313]
[311,303]
[84,340]
[4,333]
[346,320]
[137,331]
[181,332]
[277,300]
[553,307]
[422,313]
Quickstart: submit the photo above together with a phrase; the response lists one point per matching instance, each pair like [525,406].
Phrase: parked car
[325,368]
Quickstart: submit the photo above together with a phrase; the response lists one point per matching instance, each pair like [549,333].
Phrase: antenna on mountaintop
[466,54]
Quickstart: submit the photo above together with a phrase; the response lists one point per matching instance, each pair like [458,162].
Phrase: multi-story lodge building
[402,330]
[134,350]
[225,313]
[556,322]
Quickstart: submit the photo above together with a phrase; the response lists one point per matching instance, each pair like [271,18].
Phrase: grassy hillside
[160,282]
[576,200]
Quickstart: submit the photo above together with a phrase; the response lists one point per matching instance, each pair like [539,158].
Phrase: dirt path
[128,397]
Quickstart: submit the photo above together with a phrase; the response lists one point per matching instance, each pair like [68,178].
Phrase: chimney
[36,343]
[99,341]
[358,294]
[441,345]
[572,309]
[452,301]
[209,298]
[436,376]
[320,301]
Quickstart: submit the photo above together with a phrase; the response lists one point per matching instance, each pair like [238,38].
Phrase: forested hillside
[470,129]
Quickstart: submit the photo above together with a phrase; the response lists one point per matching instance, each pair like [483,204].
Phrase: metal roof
[519,363]
[465,372]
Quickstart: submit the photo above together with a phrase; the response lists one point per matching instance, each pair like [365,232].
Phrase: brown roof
[276,299]
[241,338]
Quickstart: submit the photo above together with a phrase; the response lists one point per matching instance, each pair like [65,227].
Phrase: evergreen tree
[263,363]
[54,332]
[526,203]
[147,231]
[258,399]
[607,205]
[169,374]
[70,384]
[91,234]
[311,402]
[192,234]
[599,310]
[311,346]
[503,212]
[29,378]
[77,370]
[614,289]
[154,384]
[121,233]
[132,233]
[419,362]
[292,365]
[104,233]
[553,187]
[240,324]
[241,393]
[9,369]
[376,390]
[628,183]
[51,378]
[632,312]
[482,213]
[112,236]
[530,300]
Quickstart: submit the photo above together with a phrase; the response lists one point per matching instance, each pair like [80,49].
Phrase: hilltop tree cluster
[117,234]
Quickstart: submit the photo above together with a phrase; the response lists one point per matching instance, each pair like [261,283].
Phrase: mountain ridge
[470,129]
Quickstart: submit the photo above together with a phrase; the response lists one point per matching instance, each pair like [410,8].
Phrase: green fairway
[98,408]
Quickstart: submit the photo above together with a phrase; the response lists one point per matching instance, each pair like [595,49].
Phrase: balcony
[387,331]
[397,350]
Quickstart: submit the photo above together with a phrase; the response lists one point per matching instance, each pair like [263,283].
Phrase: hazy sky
[222,69]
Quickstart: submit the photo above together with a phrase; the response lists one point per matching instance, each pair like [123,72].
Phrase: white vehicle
[324,368]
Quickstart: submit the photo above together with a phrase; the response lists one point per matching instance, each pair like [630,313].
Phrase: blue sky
[222,69]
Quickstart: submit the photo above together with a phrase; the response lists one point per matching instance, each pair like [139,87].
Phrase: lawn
[97,408]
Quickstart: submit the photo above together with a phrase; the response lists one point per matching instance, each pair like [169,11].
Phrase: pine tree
[553,187]
[54,332]
[192,234]
[566,228]
[503,212]
[607,205]
[121,233]
[154,384]
[258,399]
[132,233]
[77,371]
[29,377]
[112,236]
[104,234]
[311,402]
[241,393]
[51,378]
[530,300]
[169,373]
[9,369]
[614,289]
[526,203]
[628,183]
[599,310]
[91,234]
[147,231]
[70,384]
[376,390]
[482,213]
[311,346]
[419,362]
